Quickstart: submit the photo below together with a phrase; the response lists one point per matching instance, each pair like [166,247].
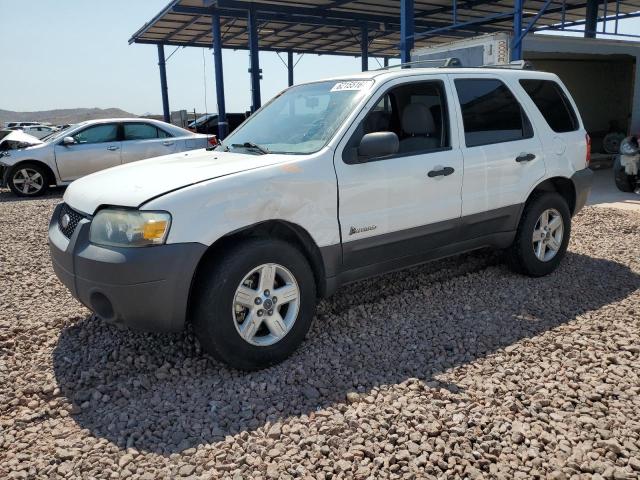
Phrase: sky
[74,53]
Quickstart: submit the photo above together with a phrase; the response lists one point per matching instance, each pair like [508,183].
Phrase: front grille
[74,219]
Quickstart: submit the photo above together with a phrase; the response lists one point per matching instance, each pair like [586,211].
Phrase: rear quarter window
[552,103]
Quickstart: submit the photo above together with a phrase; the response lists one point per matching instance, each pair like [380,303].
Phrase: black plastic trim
[582,182]
[143,288]
[396,250]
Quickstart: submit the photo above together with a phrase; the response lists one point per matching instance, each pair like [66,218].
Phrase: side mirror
[68,141]
[378,144]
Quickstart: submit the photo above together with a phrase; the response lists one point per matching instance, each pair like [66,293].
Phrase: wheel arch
[562,185]
[51,177]
[276,229]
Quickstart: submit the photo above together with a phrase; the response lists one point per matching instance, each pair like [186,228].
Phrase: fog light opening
[102,306]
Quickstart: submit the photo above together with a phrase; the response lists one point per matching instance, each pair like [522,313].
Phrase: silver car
[88,147]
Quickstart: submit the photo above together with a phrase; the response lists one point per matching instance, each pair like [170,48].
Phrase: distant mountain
[68,115]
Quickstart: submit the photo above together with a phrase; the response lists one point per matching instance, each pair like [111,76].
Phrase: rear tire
[539,248]
[624,182]
[236,317]
[28,180]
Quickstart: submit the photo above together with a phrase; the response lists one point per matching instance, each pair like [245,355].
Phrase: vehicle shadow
[7,195]
[158,394]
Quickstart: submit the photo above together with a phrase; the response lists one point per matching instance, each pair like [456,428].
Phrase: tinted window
[139,131]
[552,103]
[162,134]
[98,134]
[490,112]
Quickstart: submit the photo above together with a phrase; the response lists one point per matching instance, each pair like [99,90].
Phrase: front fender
[301,192]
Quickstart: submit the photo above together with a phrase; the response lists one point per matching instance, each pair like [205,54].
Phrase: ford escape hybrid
[330,182]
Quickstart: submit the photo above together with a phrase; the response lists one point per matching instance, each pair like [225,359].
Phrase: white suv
[330,182]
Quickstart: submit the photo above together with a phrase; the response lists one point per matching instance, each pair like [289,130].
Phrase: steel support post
[223,126]
[364,47]
[591,17]
[254,61]
[290,68]
[407,26]
[166,113]
[516,44]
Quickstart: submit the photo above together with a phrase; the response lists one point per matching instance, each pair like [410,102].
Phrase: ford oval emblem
[65,220]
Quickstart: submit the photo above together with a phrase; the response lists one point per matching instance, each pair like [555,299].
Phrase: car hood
[135,183]
[18,139]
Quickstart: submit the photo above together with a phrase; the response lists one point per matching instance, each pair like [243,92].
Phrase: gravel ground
[459,369]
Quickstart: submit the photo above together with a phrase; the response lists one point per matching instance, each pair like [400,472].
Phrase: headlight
[129,228]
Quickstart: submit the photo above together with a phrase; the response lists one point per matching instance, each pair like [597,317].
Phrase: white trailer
[601,74]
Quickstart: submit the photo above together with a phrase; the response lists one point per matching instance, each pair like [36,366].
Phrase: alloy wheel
[547,235]
[266,304]
[28,180]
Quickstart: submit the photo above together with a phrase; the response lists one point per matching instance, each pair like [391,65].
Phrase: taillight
[213,140]
[588,138]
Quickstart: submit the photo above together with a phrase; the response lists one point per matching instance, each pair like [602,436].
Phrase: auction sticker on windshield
[352,85]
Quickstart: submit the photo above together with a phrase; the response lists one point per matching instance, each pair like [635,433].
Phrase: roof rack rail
[515,65]
[443,63]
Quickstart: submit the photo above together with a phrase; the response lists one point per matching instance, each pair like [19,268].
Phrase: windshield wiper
[255,146]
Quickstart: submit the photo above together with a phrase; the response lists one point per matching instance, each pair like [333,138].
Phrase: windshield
[301,120]
[57,134]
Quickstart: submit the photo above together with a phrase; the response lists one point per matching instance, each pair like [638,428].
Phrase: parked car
[13,139]
[39,131]
[330,182]
[208,124]
[22,124]
[89,147]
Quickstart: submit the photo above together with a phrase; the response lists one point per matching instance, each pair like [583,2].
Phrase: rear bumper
[582,181]
[143,288]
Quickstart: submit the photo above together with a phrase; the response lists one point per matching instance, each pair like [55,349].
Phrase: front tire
[253,307]
[542,236]
[28,180]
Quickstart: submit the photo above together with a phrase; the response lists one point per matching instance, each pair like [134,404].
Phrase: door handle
[525,157]
[167,143]
[112,148]
[441,173]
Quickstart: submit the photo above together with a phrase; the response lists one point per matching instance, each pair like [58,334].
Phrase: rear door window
[140,131]
[552,103]
[490,112]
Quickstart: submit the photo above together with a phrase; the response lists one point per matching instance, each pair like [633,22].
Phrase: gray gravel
[459,369]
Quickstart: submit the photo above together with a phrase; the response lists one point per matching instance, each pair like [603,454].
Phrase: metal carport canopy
[335,26]
[376,28]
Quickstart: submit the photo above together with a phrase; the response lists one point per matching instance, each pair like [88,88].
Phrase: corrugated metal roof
[334,26]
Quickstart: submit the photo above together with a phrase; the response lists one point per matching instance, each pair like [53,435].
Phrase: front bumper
[582,181]
[144,288]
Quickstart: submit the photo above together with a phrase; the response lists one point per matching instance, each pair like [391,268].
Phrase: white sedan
[88,147]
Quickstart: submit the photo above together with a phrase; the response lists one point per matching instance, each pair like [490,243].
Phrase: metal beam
[223,126]
[290,68]
[364,47]
[166,113]
[407,25]
[183,27]
[254,60]
[308,51]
